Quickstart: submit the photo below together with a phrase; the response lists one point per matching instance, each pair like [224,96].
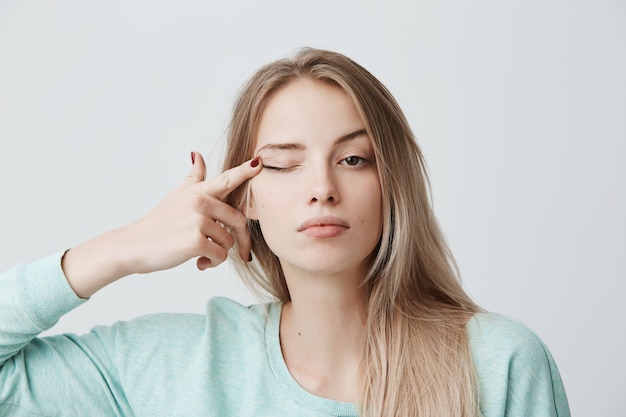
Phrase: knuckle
[227,179]
[198,245]
[225,240]
[229,241]
[219,256]
[197,203]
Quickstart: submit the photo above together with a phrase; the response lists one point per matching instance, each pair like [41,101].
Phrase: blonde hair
[415,359]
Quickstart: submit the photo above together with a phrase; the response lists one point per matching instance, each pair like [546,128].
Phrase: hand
[193,221]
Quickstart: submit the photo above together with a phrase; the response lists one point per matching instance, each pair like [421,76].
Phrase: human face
[318,198]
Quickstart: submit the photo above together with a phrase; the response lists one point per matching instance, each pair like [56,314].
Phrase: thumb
[198,169]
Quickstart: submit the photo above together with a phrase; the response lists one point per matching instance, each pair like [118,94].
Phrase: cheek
[261,199]
[371,195]
[374,206]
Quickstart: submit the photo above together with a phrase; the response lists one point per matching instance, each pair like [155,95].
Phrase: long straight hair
[415,359]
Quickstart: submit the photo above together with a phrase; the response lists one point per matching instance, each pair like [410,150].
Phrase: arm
[33,298]
[185,225]
[535,387]
[516,373]
[63,373]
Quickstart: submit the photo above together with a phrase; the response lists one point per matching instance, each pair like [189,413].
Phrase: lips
[323,226]
[323,221]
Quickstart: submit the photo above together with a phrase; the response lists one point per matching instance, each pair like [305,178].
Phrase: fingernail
[193,158]
[250,257]
[254,162]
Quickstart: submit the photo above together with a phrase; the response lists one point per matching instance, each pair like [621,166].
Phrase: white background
[520,108]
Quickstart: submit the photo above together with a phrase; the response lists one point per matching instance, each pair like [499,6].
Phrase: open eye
[354,161]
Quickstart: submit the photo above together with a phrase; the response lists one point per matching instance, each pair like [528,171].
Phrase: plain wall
[520,109]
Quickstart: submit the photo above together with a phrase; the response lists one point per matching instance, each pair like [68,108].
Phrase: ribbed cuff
[45,293]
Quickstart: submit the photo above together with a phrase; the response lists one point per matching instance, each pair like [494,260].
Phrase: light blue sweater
[225,363]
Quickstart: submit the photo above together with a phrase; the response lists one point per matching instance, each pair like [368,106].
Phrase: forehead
[307,110]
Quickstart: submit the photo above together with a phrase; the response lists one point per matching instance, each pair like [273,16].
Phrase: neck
[321,332]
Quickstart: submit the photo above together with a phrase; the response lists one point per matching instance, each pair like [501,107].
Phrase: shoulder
[196,358]
[491,333]
[171,341]
[516,372]
[220,313]
[500,343]
[225,321]
[225,308]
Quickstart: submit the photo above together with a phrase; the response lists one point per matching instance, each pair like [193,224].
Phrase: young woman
[323,205]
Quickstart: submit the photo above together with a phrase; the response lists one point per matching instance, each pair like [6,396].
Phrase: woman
[324,204]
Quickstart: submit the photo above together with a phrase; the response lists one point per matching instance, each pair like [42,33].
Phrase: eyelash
[361,161]
[277,169]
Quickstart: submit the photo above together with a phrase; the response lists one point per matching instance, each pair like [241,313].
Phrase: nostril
[326,199]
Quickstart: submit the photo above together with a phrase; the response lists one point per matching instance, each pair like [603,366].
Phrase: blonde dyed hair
[415,359]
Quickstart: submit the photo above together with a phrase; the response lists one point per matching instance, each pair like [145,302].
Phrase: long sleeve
[53,376]
[227,362]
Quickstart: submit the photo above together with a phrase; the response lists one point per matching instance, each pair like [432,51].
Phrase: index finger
[225,183]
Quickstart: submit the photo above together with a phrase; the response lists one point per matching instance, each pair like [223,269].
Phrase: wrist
[95,264]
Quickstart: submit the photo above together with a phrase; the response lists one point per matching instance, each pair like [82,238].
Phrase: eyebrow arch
[299,146]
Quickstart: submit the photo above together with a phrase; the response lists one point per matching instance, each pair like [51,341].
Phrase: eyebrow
[299,146]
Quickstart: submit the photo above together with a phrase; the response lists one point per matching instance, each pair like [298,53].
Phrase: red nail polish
[193,158]
[254,162]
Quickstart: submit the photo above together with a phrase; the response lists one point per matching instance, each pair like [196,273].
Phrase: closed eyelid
[280,159]
[279,156]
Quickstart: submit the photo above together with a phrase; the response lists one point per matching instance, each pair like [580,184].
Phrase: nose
[322,187]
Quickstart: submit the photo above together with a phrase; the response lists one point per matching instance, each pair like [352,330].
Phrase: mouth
[323,227]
